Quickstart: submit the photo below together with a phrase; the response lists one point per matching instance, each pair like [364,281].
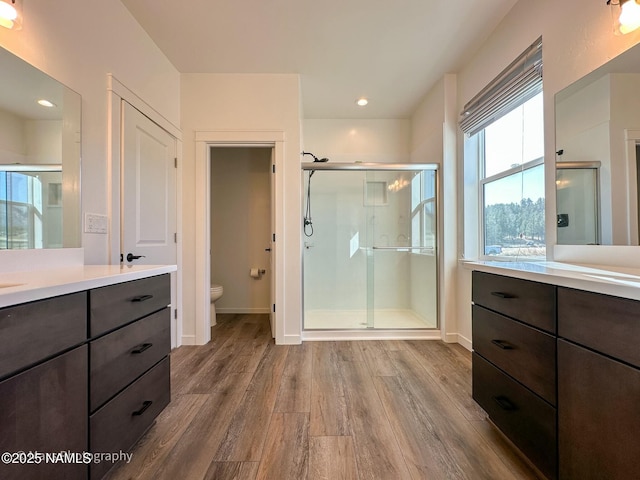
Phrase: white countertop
[617,281]
[22,287]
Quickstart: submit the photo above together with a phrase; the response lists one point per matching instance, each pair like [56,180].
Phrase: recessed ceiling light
[362,102]
[46,103]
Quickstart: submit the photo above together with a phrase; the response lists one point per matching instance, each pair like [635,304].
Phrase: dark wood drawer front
[121,422]
[119,304]
[122,356]
[525,418]
[530,302]
[34,331]
[608,324]
[598,415]
[527,354]
[44,409]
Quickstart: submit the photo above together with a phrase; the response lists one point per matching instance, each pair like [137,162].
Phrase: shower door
[370,247]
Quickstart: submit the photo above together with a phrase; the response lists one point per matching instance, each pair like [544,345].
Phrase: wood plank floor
[245,408]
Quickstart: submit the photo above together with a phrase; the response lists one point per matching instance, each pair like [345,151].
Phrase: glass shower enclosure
[370,246]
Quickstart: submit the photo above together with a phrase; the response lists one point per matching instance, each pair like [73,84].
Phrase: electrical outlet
[95,223]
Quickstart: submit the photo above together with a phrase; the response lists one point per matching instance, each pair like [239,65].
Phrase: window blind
[519,82]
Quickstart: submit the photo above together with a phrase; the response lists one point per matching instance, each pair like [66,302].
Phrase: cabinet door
[598,415]
[44,409]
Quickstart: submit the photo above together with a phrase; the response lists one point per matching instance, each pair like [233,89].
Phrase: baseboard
[188,340]
[292,340]
[242,310]
[457,338]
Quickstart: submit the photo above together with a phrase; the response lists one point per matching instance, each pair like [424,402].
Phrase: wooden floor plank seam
[244,408]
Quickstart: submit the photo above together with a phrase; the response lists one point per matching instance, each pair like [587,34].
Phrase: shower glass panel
[370,247]
[577,203]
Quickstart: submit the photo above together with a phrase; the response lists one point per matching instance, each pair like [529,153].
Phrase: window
[423,212]
[512,184]
[505,124]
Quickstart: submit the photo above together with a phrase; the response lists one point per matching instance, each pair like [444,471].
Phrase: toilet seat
[216,292]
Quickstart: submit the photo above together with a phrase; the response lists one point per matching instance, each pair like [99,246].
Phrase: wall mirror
[597,138]
[39,159]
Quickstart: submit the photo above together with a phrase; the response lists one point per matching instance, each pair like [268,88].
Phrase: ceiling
[391,52]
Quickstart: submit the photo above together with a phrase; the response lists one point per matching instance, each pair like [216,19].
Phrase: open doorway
[241,230]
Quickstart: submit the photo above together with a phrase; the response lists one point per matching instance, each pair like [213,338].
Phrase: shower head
[316,159]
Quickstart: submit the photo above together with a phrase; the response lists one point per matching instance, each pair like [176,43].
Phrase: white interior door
[148,216]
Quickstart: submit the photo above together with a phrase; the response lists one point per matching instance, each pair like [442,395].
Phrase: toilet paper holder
[257,272]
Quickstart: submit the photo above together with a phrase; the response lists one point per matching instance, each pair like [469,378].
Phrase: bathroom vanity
[557,369]
[84,365]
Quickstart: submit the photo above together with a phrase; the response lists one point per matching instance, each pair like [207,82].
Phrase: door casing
[204,141]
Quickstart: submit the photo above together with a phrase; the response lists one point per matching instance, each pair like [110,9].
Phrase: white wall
[357,140]
[245,102]
[78,42]
[577,38]
[241,227]
[433,140]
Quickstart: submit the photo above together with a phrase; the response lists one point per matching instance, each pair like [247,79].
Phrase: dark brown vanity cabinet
[598,386]
[584,425]
[129,363]
[84,372]
[514,362]
[43,397]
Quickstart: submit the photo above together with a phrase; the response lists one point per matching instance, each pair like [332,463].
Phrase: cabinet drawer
[527,354]
[119,304]
[122,356]
[525,418]
[598,415]
[44,409]
[608,324]
[120,423]
[530,302]
[34,331]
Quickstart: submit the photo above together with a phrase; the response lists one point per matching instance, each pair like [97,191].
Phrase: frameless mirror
[597,138]
[39,159]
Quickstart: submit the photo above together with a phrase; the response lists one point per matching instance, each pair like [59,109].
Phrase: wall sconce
[11,14]
[625,15]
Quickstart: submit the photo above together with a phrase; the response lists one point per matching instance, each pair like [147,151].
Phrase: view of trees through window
[513,185]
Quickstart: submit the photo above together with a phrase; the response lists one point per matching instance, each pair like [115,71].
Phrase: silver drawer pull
[505,403]
[502,295]
[141,348]
[502,344]
[142,298]
[146,404]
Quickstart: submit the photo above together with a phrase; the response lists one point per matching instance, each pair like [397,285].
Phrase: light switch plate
[95,223]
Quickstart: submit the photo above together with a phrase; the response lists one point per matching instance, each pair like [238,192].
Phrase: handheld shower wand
[307,225]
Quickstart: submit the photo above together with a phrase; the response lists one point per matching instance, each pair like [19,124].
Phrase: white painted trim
[189,340]
[330,335]
[238,138]
[458,338]
[242,310]
[291,340]
[114,85]
[203,254]
[254,138]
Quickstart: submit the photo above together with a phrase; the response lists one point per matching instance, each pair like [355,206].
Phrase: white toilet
[216,293]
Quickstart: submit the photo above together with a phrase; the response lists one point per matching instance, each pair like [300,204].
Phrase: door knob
[131,257]
[267,249]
